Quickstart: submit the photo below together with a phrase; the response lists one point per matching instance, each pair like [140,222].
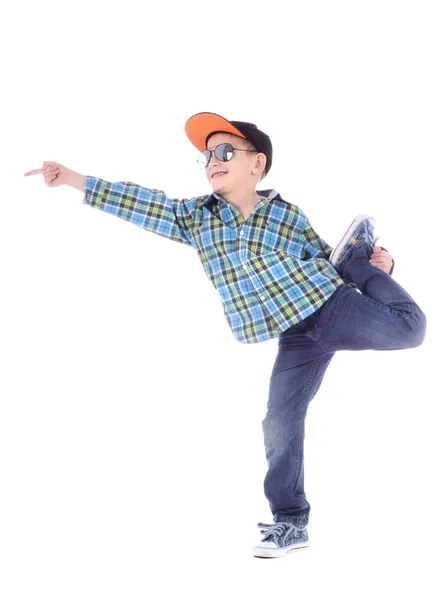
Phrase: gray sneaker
[280,539]
[362,229]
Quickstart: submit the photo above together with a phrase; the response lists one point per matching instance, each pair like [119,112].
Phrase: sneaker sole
[260,552]
[347,236]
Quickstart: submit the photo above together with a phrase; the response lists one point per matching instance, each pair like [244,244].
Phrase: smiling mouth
[217,175]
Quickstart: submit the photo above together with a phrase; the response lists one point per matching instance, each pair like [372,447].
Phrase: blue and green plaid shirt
[271,270]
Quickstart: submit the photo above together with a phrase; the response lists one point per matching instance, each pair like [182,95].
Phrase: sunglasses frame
[214,148]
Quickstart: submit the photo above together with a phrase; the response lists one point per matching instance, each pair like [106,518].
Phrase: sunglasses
[223,152]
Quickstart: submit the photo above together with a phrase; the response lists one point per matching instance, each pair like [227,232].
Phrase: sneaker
[280,539]
[361,228]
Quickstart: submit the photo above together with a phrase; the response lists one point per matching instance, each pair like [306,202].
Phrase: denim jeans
[370,311]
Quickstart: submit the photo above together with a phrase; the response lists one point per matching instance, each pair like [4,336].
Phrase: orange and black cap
[199,128]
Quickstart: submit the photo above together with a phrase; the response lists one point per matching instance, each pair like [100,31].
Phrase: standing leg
[296,377]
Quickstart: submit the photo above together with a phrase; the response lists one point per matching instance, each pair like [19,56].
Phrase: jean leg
[296,377]
[382,317]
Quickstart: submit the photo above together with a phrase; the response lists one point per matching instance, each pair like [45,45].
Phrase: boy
[277,278]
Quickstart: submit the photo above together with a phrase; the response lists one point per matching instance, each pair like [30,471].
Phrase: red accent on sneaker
[342,238]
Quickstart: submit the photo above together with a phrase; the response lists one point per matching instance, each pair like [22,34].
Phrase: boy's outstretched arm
[148,208]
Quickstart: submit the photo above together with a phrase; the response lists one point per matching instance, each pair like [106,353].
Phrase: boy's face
[240,172]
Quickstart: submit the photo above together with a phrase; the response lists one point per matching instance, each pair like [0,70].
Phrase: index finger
[34,172]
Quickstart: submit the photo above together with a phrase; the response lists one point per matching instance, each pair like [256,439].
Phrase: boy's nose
[214,162]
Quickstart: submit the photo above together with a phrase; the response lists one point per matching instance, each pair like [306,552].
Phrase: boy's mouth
[218,174]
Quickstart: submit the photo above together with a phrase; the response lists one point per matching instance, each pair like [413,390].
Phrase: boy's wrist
[76,180]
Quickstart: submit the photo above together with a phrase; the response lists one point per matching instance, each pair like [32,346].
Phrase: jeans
[370,311]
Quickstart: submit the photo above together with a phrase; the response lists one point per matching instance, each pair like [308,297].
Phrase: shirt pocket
[278,266]
[271,244]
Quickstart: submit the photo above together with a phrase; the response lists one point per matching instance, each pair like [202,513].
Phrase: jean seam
[305,403]
[317,341]
[408,316]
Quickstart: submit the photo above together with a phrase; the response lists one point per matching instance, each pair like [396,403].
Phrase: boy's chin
[217,185]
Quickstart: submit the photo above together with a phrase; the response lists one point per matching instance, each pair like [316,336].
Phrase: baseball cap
[200,126]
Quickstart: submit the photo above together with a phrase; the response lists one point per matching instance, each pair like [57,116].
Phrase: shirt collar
[269,194]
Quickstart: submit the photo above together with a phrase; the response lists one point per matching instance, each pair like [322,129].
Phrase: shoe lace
[274,530]
[370,230]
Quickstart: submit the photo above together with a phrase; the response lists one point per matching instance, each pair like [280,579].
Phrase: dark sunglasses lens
[224,152]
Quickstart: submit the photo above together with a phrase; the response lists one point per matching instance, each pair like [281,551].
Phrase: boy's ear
[261,161]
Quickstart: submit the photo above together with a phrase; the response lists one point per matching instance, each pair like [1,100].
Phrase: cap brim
[199,126]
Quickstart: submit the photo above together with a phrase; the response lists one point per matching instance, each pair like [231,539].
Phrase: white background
[131,448]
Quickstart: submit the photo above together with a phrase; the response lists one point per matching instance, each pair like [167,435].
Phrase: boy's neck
[241,200]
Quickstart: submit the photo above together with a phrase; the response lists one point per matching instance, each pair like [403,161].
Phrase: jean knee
[418,327]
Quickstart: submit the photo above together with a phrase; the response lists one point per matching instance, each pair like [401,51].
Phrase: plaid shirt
[271,270]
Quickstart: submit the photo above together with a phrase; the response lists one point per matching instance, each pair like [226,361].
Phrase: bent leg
[382,317]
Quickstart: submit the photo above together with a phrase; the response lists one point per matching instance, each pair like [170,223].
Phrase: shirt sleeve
[314,245]
[148,208]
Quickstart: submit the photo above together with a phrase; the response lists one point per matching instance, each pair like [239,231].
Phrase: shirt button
[262,297]
[244,266]
[242,233]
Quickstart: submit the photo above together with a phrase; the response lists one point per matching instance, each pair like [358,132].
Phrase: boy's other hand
[54,173]
[381,259]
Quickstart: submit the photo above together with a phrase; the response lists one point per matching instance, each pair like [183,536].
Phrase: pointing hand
[54,173]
